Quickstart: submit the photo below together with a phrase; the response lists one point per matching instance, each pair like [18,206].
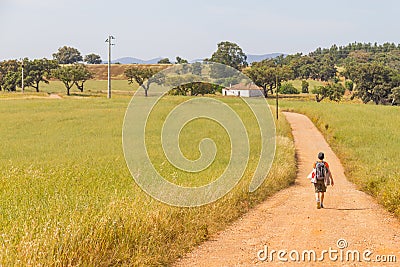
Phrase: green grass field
[97,87]
[311,84]
[67,197]
[366,139]
[91,88]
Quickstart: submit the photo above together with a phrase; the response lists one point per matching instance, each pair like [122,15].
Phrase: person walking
[321,177]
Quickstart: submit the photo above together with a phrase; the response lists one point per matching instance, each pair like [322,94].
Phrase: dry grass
[100,71]
[67,197]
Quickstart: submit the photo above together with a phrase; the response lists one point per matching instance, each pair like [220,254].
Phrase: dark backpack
[320,170]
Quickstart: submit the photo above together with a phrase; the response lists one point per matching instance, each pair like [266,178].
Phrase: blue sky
[191,29]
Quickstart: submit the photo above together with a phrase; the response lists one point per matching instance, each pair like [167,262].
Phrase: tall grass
[67,197]
[367,139]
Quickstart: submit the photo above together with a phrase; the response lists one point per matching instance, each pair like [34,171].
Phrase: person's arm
[330,174]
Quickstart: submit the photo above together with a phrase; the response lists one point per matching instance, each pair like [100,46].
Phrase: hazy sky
[191,29]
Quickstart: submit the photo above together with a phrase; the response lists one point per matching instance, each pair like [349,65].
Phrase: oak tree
[67,55]
[229,54]
[140,76]
[92,59]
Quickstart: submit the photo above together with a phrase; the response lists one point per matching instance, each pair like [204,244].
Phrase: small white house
[243,90]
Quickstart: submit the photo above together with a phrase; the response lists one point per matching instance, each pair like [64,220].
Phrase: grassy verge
[67,197]
[366,138]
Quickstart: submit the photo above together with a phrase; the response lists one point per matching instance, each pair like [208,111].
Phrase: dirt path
[289,220]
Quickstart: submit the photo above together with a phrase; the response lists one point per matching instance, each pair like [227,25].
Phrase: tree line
[371,71]
[64,66]
[268,74]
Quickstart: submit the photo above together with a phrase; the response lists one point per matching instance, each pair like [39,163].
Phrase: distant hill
[196,60]
[132,60]
[251,58]
[257,58]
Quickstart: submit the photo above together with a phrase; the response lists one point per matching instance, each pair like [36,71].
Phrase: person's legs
[317,198]
[318,193]
[322,199]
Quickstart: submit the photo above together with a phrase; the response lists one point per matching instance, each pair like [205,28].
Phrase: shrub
[288,88]
[333,91]
[349,85]
[304,86]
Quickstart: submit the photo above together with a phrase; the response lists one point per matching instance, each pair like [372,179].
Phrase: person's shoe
[318,205]
[322,206]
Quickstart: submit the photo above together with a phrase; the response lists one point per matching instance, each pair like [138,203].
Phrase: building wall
[242,93]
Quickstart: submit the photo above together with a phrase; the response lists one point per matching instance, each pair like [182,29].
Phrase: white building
[243,90]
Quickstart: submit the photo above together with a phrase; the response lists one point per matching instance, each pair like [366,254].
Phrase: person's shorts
[320,186]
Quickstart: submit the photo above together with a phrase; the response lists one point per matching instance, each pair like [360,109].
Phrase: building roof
[242,86]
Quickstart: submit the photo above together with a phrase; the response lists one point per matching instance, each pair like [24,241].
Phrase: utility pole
[22,75]
[109,41]
[277,109]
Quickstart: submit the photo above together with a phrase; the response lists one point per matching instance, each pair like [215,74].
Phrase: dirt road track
[290,221]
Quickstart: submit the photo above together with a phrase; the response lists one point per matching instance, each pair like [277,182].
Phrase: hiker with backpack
[321,177]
